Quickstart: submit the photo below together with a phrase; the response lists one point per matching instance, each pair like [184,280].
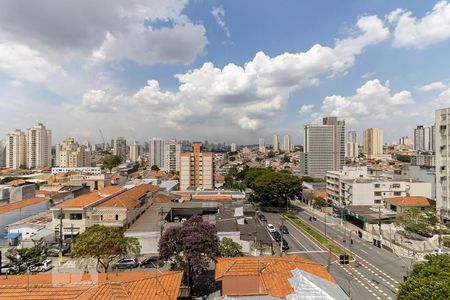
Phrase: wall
[19,214]
[147,239]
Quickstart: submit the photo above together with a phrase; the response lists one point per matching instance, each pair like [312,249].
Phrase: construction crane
[103,138]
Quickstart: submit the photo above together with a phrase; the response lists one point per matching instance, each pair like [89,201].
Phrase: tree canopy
[420,222]
[428,280]
[229,248]
[111,161]
[23,258]
[105,244]
[155,168]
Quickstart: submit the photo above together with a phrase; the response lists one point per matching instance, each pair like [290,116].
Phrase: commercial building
[16,150]
[424,138]
[324,147]
[39,147]
[287,146]
[72,155]
[172,151]
[135,151]
[373,143]
[275,143]
[442,124]
[262,145]
[120,148]
[196,168]
[351,146]
[156,148]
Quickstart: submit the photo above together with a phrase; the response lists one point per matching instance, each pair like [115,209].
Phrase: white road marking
[308,251]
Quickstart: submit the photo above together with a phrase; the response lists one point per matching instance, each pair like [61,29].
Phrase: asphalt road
[375,273]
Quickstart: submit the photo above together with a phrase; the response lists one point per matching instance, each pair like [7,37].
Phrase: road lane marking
[308,238]
[307,251]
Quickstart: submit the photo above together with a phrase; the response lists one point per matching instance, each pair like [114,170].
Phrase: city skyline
[77,80]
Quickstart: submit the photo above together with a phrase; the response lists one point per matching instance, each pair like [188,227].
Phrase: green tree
[319,202]
[417,221]
[229,248]
[111,161]
[286,159]
[105,244]
[271,154]
[404,158]
[428,280]
[23,258]
[155,168]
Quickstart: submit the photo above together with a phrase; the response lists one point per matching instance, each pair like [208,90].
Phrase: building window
[377,185]
[396,186]
[377,193]
[76,216]
[397,193]
[117,217]
[101,217]
[377,201]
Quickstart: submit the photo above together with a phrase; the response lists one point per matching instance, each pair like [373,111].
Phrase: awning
[12,235]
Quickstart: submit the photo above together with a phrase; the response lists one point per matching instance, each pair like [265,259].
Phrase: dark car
[277,236]
[151,262]
[262,218]
[54,250]
[285,245]
[284,229]
[126,263]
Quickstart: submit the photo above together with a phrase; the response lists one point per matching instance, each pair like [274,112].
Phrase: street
[374,274]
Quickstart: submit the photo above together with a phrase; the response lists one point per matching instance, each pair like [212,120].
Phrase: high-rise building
[172,151]
[120,147]
[262,145]
[275,143]
[39,146]
[2,153]
[404,141]
[233,147]
[16,150]
[135,151]
[156,149]
[72,155]
[424,138]
[442,139]
[287,146]
[324,147]
[196,168]
[351,146]
[373,142]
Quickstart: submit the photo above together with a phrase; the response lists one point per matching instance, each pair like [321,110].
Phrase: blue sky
[221,70]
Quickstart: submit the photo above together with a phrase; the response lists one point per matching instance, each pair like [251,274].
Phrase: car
[277,236]
[44,266]
[271,228]
[7,268]
[126,263]
[284,229]
[285,245]
[54,250]
[262,218]
[151,262]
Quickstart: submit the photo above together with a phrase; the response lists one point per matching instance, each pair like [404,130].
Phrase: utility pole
[281,233]
[60,236]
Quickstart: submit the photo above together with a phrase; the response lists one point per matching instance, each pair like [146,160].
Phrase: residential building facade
[334,178]
[16,149]
[196,168]
[442,124]
[373,142]
[72,155]
[421,159]
[120,148]
[287,146]
[135,151]
[275,143]
[39,147]
[156,148]
[172,151]
[262,145]
[351,146]
[424,138]
[233,147]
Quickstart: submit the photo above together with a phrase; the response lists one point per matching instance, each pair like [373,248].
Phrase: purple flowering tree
[190,247]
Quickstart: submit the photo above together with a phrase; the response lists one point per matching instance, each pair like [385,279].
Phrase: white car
[271,228]
[41,267]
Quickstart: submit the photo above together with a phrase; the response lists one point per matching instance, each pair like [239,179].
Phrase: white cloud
[242,96]
[16,83]
[219,15]
[443,99]
[434,86]
[420,33]
[306,108]
[368,75]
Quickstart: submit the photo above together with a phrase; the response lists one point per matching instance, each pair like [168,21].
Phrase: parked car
[7,268]
[285,245]
[277,236]
[126,263]
[284,229]
[42,267]
[271,228]
[151,262]
[262,218]
[54,250]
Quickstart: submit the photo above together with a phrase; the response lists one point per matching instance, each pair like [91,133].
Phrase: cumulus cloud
[306,108]
[244,96]
[219,15]
[372,100]
[434,86]
[420,33]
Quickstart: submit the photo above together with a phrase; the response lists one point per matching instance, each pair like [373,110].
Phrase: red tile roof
[130,198]
[21,204]
[212,197]
[82,201]
[411,201]
[273,271]
[129,285]
[109,190]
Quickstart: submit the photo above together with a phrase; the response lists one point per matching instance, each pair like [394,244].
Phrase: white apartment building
[135,151]
[196,169]
[2,153]
[424,138]
[72,155]
[262,145]
[373,191]
[156,148]
[351,146]
[120,148]
[373,143]
[233,147]
[39,147]
[16,149]
[426,160]
[172,151]
[442,124]
[275,143]
[334,179]
[83,170]
[324,147]
[287,146]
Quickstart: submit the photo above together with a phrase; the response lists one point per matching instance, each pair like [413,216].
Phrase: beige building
[135,151]
[172,150]
[196,169]
[16,149]
[442,125]
[287,143]
[39,147]
[373,142]
[72,155]
[275,143]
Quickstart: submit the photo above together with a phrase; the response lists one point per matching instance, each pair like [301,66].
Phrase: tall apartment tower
[172,151]
[373,142]
[424,138]
[233,147]
[72,155]
[351,146]
[39,146]
[262,145]
[135,151]
[287,145]
[2,153]
[275,143]
[156,148]
[196,168]
[120,147]
[16,149]
[324,147]
[442,119]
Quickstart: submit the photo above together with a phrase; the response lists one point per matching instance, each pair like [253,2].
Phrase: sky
[228,71]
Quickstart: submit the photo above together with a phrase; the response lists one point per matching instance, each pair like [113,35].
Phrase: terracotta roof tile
[273,271]
[45,192]
[109,190]
[411,201]
[160,173]
[21,204]
[320,194]
[219,178]
[82,201]
[129,285]
[130,198]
